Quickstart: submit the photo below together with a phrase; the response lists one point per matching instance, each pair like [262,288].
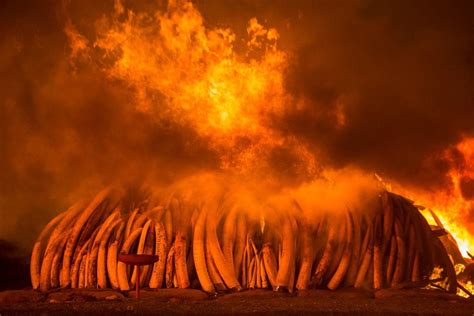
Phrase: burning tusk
[228,238]
[263,273]
[112,252]
[122,267]
[37,253]
[168,222]
[398,274]
[258,281]
[346,257]
[252,274]
[141,247]
[245,266]
[438,222]
[73,238]
[411,251]
[270,263]
[56,263]
[378,252]
[145,273]
[446,264]
[339,249]
[161,249]
[287,256]
[88,258]
[213,272]
[308,257]
[415,274]
[199,253]
[130,221]
[388,215]
[180,260]
[140,221]
[240,243]
[227,274]
[75,271]
[101,256]
[391,260]
[355,260]
[82,273]
[92,264]
[169,269]
[366,258]
[323,265]
[48,266]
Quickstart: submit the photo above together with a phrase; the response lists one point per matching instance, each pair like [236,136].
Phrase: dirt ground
[194,302]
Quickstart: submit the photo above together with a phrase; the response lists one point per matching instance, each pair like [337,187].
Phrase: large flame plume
[179,70]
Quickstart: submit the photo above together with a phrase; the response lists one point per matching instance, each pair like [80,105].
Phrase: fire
[454,206]
[182,71]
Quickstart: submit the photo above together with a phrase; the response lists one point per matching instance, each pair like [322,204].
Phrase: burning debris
[229,244]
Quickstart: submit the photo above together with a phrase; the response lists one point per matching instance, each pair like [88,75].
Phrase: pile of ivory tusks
[227,249]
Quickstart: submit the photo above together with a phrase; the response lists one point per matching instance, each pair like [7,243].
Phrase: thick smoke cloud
[401,72]
[383,85]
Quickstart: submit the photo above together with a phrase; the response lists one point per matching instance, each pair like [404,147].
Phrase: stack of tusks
[221,248]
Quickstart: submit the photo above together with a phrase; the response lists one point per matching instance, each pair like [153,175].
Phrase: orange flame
[195,70]
[455,205]
[182,71]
